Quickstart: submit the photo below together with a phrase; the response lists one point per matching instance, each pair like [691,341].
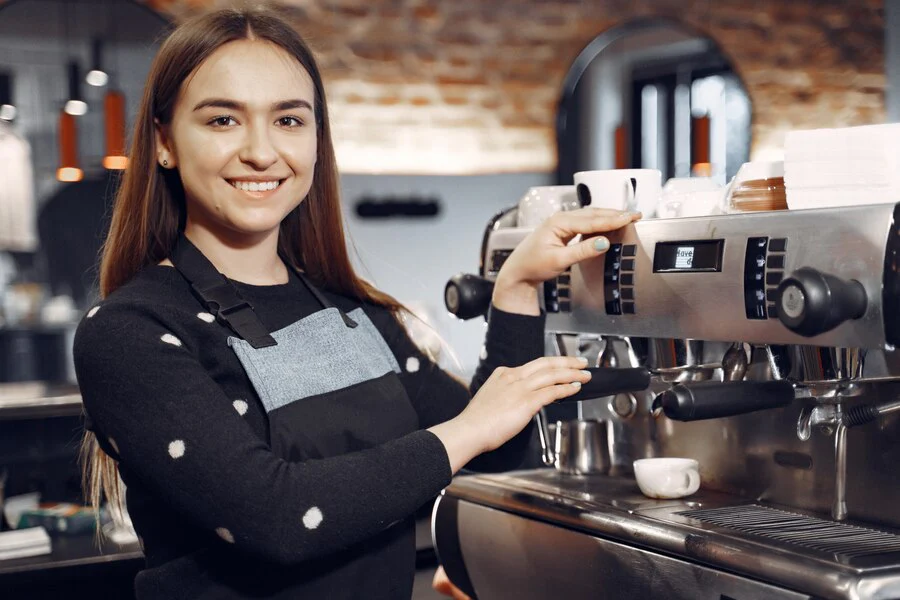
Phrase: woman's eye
[222,121]
[290,122]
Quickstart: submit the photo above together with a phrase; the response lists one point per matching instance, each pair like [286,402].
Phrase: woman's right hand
[506,402]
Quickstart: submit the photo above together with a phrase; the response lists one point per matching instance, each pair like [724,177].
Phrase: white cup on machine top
[620,189]
[540,202]
[667,477]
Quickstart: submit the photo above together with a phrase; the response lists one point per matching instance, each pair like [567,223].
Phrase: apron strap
[325,302]
[219,296]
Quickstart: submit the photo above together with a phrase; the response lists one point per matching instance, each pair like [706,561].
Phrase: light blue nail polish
[601,244]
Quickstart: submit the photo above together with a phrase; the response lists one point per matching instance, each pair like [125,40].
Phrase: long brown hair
[149,209]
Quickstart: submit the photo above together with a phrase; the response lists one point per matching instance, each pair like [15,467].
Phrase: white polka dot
[240,406]
[312,518]
[483,355]
[114,445]
[412,364]
[205,316]
[171,339]
[176,449]
[93,312]
[225,535]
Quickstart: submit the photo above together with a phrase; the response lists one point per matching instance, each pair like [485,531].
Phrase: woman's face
[243,137]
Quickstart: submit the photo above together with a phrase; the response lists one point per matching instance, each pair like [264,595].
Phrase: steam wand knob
[811,302]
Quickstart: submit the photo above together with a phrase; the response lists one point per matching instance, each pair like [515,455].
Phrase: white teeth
[256,186]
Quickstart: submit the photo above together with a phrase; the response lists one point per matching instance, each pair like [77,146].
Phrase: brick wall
[470,86]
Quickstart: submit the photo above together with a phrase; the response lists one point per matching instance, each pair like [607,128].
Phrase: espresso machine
[768,344]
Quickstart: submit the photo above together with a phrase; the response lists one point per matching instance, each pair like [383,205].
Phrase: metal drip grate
[845,540]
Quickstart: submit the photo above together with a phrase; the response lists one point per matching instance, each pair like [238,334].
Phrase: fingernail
[576,384]
[601,244]
[583,359]
[634,213]
[588,373]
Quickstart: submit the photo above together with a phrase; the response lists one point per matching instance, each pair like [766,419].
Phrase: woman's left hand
[546,253]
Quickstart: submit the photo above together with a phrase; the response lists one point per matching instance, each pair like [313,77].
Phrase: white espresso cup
[620,189]
[667,477]
[540,202]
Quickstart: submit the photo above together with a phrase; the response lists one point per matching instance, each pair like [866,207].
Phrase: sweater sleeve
[511,340]
[157,411]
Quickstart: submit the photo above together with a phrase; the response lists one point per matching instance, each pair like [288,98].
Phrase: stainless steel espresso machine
[768,343]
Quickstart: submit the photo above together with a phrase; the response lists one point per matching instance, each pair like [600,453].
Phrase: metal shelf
[38,401]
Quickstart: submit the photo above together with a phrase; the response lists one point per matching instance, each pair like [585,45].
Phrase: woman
[274,425]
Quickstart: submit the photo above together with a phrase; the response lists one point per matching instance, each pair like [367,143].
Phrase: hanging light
[7,108]
[68,149]
[97,76]
[114,113]
[75,105]
[700,157]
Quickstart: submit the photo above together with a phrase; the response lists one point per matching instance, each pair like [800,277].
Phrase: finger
[548,377]
[590,220]
[551,394]
[551,362]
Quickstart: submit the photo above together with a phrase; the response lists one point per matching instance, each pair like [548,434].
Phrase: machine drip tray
[778,545]
[845,542]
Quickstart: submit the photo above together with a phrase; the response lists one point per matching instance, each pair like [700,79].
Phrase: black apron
[328,383]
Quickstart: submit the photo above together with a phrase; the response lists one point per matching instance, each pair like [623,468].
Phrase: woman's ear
[165,154]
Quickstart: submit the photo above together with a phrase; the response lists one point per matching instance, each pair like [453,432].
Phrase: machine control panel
[764,262]
[618,279]
[717,278]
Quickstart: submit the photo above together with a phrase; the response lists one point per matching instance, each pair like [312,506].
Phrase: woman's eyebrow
[240,106]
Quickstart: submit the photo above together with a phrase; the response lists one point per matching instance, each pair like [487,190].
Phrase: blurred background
[444,113]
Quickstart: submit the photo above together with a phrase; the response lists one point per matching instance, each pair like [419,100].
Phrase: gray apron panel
[314,356]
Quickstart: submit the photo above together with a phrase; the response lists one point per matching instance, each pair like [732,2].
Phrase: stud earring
[165,163]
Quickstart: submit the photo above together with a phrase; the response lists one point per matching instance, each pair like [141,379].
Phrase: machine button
[771,294]
[629,250]
[777,244]
[773,311]
[627,279]
[775,261]
[563,292]
[774,277]
[564,307]
[563,279]
[628,264]
[628,308]
[627,293]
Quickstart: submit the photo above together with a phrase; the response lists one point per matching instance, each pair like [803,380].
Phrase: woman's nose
[258,150]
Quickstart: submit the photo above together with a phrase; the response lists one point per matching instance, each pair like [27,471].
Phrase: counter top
[37,399]
[70,551]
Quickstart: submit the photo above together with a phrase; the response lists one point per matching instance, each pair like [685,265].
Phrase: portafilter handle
[604,381]
[714,399]
[468,296]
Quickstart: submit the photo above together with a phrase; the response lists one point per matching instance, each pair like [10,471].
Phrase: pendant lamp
[97,76]
[700,157]
[68,149]
[114,113]
[7,106]
[75,105]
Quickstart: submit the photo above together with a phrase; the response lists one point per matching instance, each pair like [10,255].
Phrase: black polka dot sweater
[221,513]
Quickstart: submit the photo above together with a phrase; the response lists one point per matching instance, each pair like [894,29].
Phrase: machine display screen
[696,256]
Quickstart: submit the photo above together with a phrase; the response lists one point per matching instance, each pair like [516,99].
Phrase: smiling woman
[244,141]
[276,426]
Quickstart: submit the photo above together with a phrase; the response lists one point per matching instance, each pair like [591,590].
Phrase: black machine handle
[811,302]
[468,296]
[607,381]
[715,399]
